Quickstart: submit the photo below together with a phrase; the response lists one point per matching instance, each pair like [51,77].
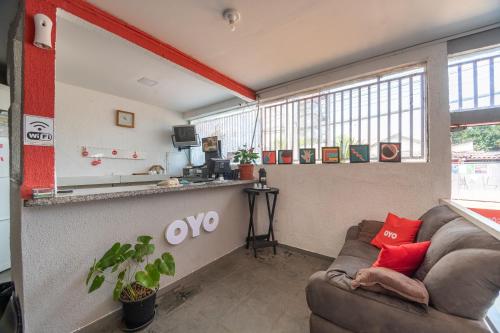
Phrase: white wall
[86,117]
[59,244]
[318,203]
[4,97]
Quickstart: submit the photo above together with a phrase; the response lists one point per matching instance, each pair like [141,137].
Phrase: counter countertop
[106,193]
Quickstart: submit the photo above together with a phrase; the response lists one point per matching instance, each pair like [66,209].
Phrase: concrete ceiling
[281,40]
[93,58]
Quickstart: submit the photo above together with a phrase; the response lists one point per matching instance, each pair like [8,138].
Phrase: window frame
[376,79]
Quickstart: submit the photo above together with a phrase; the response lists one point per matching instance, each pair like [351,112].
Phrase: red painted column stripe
[121,28]
[38,98]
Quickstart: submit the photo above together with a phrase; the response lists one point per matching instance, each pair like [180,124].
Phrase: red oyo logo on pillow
[396,231]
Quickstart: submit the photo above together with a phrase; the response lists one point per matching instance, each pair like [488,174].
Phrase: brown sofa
[461,272]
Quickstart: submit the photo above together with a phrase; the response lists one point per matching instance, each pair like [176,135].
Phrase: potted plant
[246,158]
[136,278]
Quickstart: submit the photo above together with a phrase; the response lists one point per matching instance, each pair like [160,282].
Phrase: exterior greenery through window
[474,85]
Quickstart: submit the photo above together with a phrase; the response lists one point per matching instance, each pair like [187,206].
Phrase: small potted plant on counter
[135,284]
[246,158]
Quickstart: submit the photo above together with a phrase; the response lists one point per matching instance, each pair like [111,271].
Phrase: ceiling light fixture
[147,82]
[232,16]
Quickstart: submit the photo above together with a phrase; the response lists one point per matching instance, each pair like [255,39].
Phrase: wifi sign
[38,131]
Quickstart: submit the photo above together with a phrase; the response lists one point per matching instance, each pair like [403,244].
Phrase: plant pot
[246,171]
[139,314]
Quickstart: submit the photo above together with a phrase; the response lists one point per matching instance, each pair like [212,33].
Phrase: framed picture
[359,153]
[285,156]
[209,144]
[330,155]
[269,157]
[125,119]
[307,156]
[389,152]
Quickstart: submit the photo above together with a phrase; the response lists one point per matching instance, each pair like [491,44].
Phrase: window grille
[235,129]
[474,80]
[386,108]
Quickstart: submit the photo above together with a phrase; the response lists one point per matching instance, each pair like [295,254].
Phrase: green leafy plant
[245,156]
[130,265]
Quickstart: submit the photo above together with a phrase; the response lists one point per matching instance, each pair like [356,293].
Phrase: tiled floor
[242,294]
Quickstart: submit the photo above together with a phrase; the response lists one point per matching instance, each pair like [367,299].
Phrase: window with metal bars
[390,107]
[235,129]
[474,80]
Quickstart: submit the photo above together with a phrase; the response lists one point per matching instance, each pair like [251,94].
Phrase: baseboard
[113,318]
[299,250]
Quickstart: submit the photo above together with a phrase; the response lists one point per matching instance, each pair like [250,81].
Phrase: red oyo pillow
[396,231]
[405,259]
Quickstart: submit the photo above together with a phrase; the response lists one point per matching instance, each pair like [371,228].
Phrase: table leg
[270,213]
[251,205]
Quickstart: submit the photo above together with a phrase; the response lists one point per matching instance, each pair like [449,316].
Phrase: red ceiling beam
[39,76]
[127,31]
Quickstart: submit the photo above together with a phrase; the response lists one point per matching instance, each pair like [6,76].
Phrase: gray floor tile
[242,294]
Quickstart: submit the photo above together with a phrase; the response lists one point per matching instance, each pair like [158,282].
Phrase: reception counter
[62,235]
[107,193]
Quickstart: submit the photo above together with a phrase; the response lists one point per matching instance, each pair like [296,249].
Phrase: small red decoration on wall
[114,152]
[85,152]
[135,155]
[96,162]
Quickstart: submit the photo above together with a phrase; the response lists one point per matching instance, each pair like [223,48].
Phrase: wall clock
[125,119]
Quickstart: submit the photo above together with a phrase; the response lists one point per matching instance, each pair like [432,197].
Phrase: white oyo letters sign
[390,234]
[177,231]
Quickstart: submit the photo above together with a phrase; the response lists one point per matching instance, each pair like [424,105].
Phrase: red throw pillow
[396,231]
[404,258]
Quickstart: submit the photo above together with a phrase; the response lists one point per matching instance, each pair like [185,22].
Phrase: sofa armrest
[352,233]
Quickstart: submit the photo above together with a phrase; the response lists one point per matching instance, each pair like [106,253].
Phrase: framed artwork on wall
[125,119]
[269,157]
[285,156]
[389,152]
[359,153]
[307,156]
[330,155]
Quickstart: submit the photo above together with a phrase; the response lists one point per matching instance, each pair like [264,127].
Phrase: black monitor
[209,156]
[185,136]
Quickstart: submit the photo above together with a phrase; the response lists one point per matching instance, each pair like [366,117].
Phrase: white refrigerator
[4,205]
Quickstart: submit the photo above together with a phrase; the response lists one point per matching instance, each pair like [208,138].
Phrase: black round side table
[265,240]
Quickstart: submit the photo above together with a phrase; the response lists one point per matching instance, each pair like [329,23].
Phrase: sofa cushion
[354,256]
[455,235]
[465,283]
[434,219]
[360,249]
[365,311]
[396,231]
[369,229]
[388,281]
[405,258]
